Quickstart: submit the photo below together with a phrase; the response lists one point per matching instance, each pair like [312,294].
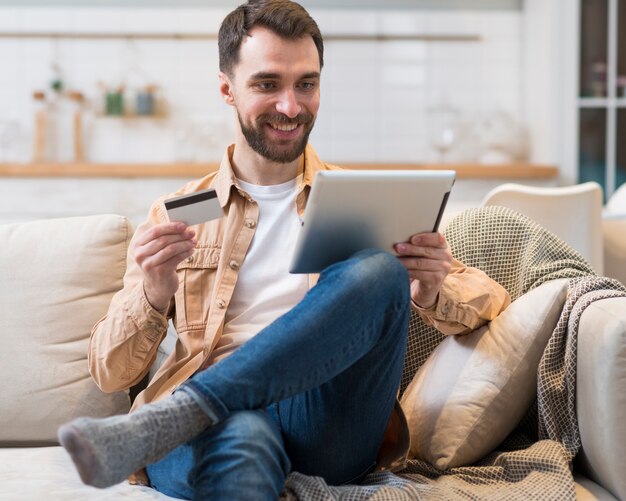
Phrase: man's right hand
[157,252]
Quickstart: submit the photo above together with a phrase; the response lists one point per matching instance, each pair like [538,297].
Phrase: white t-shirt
[265,289]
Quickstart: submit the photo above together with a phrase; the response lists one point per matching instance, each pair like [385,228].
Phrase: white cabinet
[574,100]
[601,93]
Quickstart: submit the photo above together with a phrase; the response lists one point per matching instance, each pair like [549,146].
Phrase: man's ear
[226,88]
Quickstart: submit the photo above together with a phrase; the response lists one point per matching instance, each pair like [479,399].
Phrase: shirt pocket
[196,281]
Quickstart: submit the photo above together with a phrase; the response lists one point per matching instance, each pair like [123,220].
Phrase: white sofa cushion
[47,473]
[58,277]
[473,390]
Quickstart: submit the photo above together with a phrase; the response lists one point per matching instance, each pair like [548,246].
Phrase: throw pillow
[473,390]
[58,277]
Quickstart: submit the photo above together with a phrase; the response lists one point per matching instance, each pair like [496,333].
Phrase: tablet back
[351,210]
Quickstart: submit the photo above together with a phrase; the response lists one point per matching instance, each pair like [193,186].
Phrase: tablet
[351,210]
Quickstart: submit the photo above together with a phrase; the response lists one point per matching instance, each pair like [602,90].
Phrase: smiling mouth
[283,127]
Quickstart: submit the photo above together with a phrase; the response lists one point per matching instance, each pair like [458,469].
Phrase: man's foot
[90,456]
[106,451]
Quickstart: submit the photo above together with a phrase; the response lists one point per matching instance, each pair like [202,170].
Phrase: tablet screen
[350,210]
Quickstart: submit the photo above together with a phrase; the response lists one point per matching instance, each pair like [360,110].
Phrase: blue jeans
[312,392]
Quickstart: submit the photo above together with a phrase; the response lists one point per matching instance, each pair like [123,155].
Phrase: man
[272,372]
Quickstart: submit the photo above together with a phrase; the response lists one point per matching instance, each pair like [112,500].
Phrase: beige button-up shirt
[124,342]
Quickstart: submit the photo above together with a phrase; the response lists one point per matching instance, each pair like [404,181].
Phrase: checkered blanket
[534,462]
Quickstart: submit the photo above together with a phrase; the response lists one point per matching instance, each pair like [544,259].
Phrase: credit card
[194,208]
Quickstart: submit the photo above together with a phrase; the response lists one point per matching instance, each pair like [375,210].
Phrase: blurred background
[106,104]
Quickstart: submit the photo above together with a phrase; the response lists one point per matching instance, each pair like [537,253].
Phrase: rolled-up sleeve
[467,300]
[124,342]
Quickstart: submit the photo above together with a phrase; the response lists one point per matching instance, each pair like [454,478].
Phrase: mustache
[300,118]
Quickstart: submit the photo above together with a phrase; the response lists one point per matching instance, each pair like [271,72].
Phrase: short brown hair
[285,18]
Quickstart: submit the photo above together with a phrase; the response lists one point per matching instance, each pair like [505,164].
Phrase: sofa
[614,235]
[58,277]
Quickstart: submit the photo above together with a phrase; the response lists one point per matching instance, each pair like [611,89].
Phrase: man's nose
[288,104]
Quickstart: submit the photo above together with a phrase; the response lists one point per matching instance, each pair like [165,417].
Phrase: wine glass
[444,141]
[443,122]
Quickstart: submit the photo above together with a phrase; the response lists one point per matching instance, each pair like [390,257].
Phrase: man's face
[275,90]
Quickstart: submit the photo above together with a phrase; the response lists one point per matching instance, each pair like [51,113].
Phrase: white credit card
[194,208]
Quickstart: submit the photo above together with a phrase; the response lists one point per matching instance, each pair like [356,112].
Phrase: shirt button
[234,265]
[189,259]
[221,303]
[250,223]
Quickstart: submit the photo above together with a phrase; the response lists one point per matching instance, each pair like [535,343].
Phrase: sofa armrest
[601,399]
[614,237]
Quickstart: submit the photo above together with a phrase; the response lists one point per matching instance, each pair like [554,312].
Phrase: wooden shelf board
[337,37]
[51,169]
[194,170]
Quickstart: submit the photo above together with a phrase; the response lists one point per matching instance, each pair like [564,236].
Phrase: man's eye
[266,85]
[307,85]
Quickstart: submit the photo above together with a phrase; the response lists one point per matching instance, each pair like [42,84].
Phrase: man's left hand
[428,260]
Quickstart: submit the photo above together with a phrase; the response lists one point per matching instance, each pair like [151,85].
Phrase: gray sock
[106,451]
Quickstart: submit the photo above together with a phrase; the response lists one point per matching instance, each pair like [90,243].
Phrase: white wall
[377,97]
[550,82]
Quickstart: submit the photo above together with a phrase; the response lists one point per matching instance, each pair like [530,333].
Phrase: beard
[255,136]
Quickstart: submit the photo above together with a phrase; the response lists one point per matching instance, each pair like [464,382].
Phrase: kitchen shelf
[335,37]
[194,170]
[497,5]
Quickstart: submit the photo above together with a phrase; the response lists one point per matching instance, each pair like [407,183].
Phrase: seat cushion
[588,490]
[32,473]
[473,390]
[58,277]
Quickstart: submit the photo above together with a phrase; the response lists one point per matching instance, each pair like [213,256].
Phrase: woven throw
[535,461]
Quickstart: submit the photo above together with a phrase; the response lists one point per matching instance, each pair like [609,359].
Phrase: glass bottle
[41,149]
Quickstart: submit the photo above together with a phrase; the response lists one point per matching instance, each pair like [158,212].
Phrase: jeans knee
[253,426]
[252,435]
[383,274]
